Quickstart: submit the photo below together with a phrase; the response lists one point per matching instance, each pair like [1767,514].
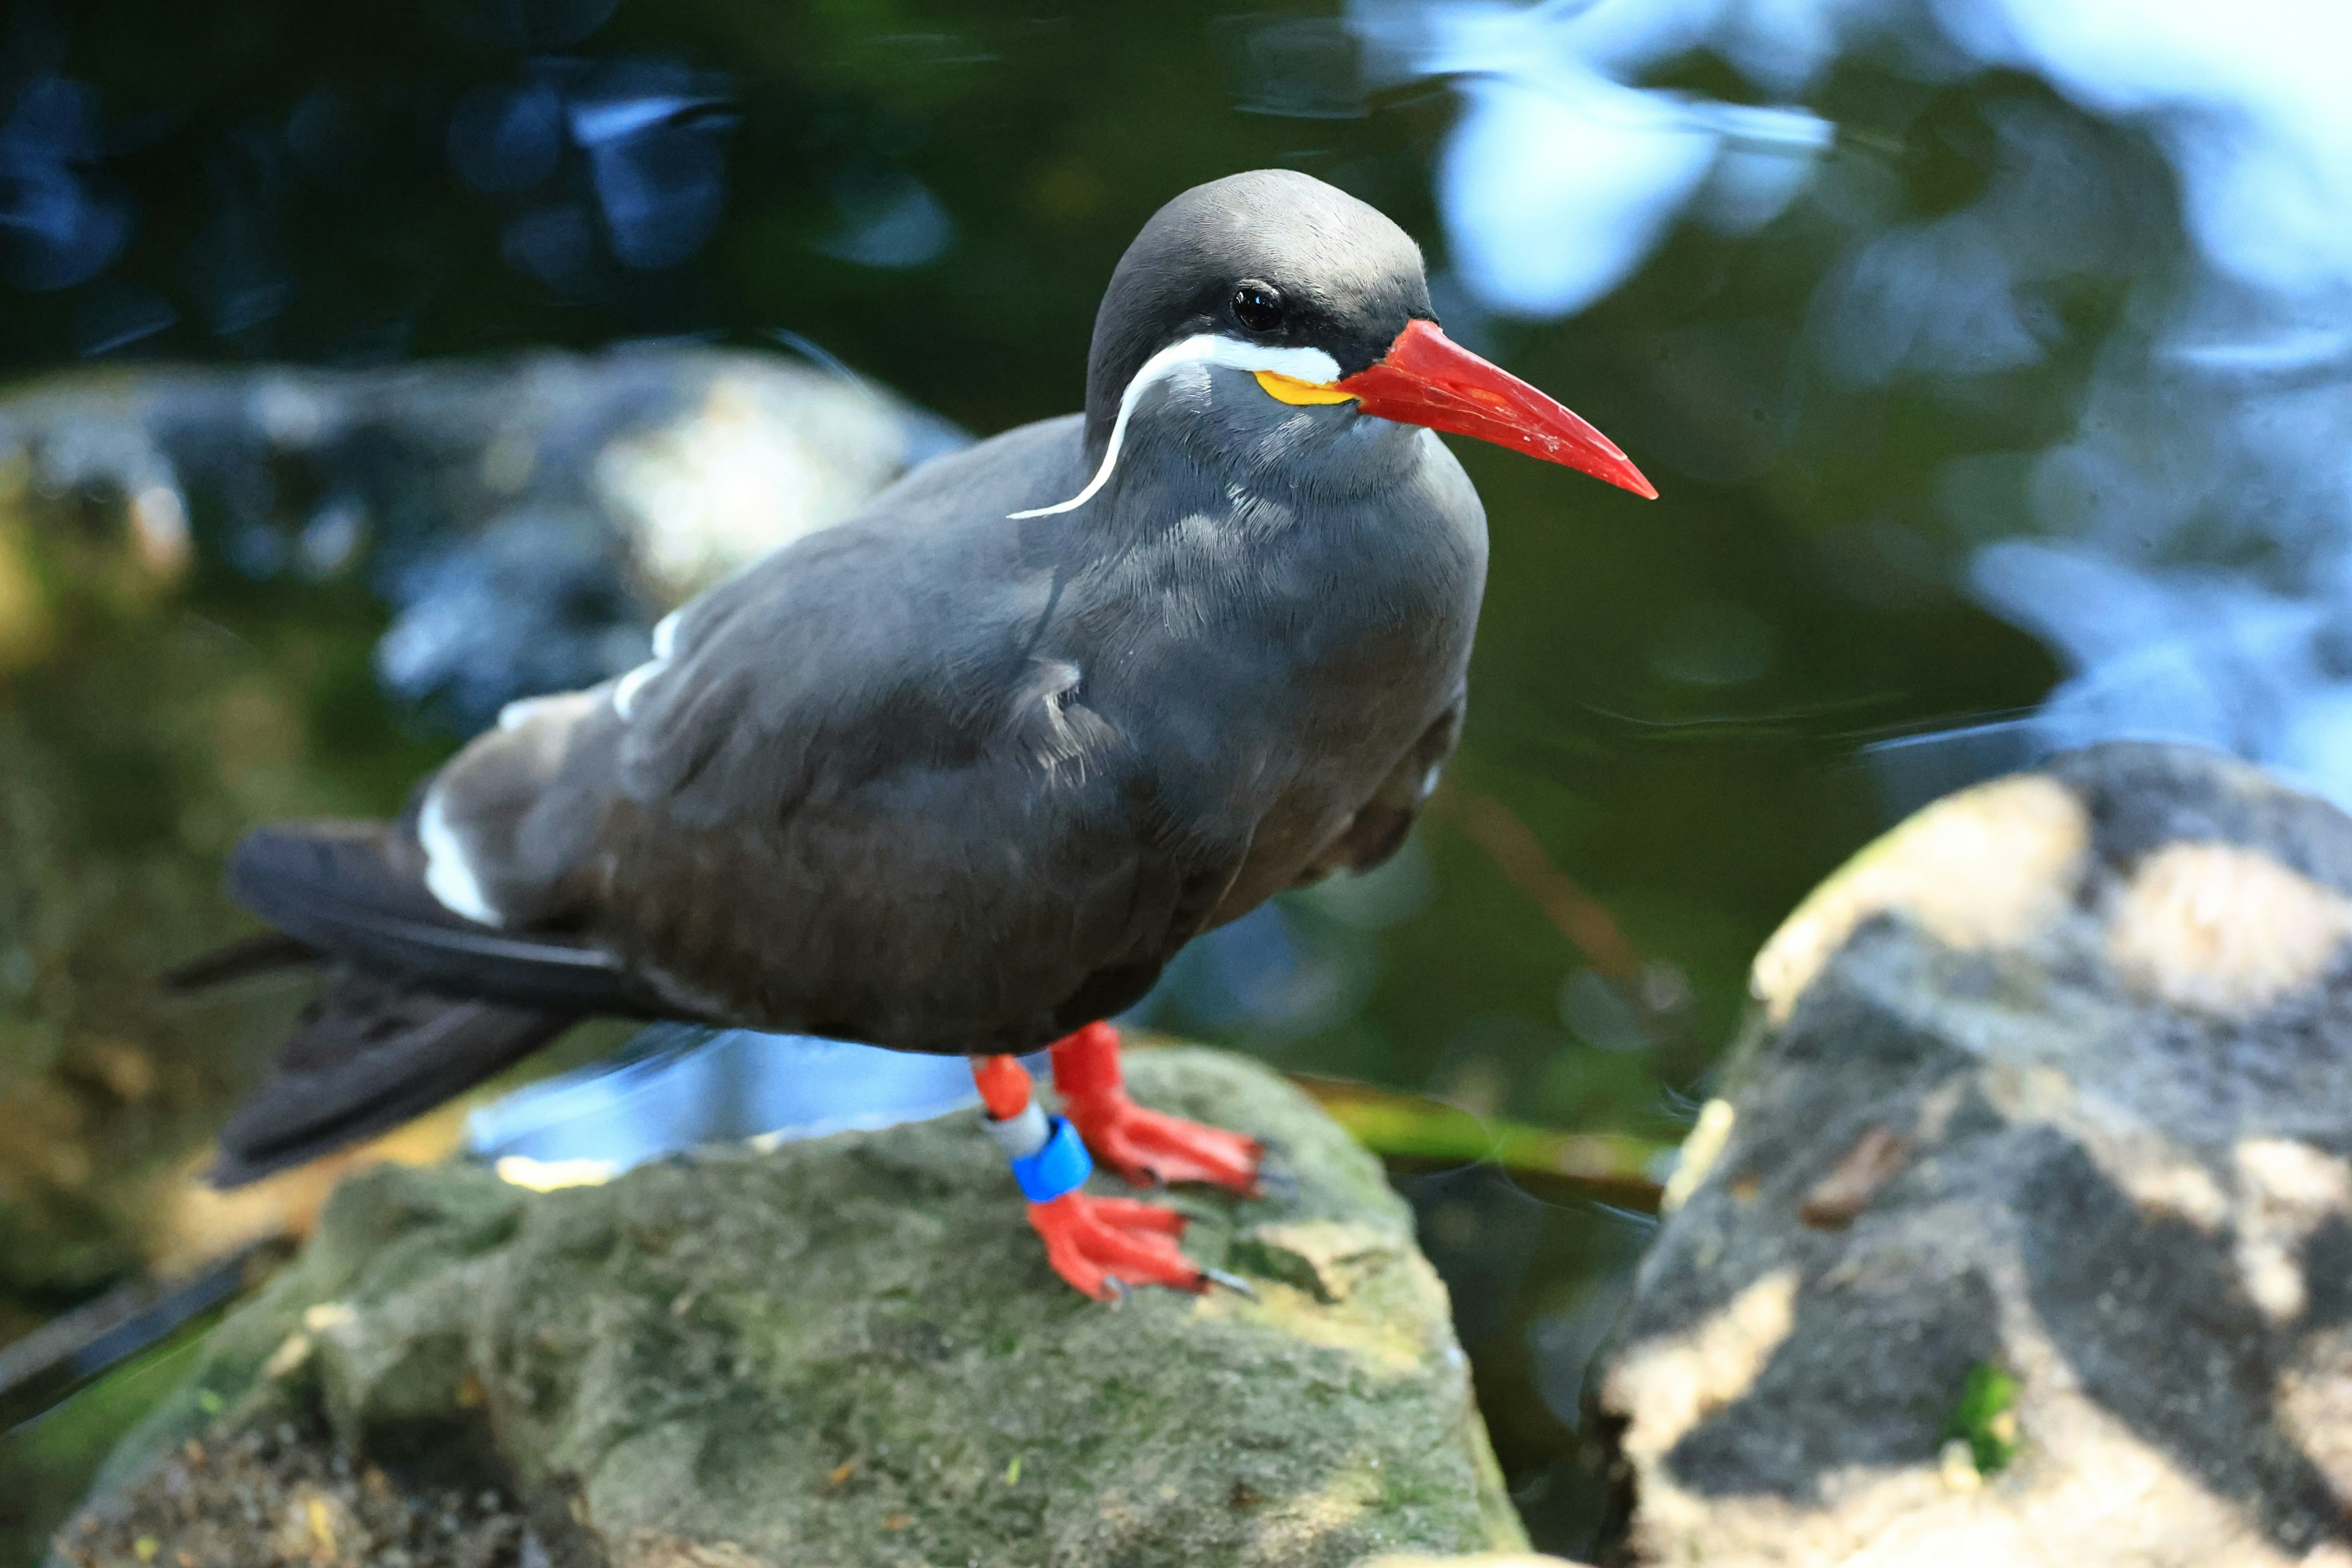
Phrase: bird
[961,774]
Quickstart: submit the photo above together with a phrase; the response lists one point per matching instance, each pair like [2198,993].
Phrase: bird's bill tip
[1426,378]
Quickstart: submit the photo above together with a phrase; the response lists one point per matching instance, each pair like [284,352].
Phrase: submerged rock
[845,1351]
[2022,1230]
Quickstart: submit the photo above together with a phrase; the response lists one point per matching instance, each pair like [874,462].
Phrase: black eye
[1258,307]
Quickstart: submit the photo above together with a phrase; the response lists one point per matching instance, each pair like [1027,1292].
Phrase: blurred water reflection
[890,221]
[1561,178]
[2201,494]
[648,140]
[57,223]
[680,1089]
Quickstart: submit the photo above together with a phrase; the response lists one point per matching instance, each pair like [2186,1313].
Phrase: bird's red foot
[1149,1146]
[1103,1244]
[1144,1146]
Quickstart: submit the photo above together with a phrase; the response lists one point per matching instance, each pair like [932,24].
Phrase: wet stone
[844,1351]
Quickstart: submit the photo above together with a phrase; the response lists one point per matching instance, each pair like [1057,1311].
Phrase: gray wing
[851,799]
[889,643]
[1379,825]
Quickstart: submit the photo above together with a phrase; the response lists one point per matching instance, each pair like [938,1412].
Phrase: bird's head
[1276,278]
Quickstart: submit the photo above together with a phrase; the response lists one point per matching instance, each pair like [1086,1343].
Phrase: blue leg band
[1062,1166]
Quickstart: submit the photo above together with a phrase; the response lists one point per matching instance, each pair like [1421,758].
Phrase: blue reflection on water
[1561,178]
[2195,654]
[537,602]
[682,1087]
[2194,571]
[507,138]
[2201,568]
[621,160]
[656,154]
[892,221]
[57,224]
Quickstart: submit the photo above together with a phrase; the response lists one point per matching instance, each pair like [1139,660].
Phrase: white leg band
[1023,1135]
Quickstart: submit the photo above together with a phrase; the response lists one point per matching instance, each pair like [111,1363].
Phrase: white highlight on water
[1203,348]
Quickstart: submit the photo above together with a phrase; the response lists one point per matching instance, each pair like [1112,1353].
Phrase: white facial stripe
[665,634]
[1204,348]
[446,875]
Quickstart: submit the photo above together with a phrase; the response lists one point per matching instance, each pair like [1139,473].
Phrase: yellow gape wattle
[1290,389]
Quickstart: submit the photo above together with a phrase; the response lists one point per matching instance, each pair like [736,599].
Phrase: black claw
[1233,1282]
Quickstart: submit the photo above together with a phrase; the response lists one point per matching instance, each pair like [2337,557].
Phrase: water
[1989,357]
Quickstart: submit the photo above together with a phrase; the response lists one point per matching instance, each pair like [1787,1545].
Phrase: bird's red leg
[1099,1245]
[1144,1146]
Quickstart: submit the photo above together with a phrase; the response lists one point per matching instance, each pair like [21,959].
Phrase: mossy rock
[850,1351]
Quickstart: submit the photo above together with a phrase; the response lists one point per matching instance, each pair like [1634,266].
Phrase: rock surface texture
[847,1352]
[2023,1231]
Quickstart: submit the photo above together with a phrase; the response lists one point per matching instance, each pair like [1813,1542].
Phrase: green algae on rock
[851,1351]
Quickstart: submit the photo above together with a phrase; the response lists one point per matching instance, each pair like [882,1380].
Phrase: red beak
[1426,378]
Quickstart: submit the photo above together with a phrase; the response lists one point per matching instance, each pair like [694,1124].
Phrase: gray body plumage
[943,778]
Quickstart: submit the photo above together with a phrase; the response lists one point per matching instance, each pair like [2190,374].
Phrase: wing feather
[367,1057]
[356,889]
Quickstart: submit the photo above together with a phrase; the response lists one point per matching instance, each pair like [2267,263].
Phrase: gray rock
[529,518]
[1480,1560]
[844,1351]
[2023,1231]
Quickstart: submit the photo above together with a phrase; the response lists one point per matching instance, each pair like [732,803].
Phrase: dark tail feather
[256,955]
[368,1056]
[357,889]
